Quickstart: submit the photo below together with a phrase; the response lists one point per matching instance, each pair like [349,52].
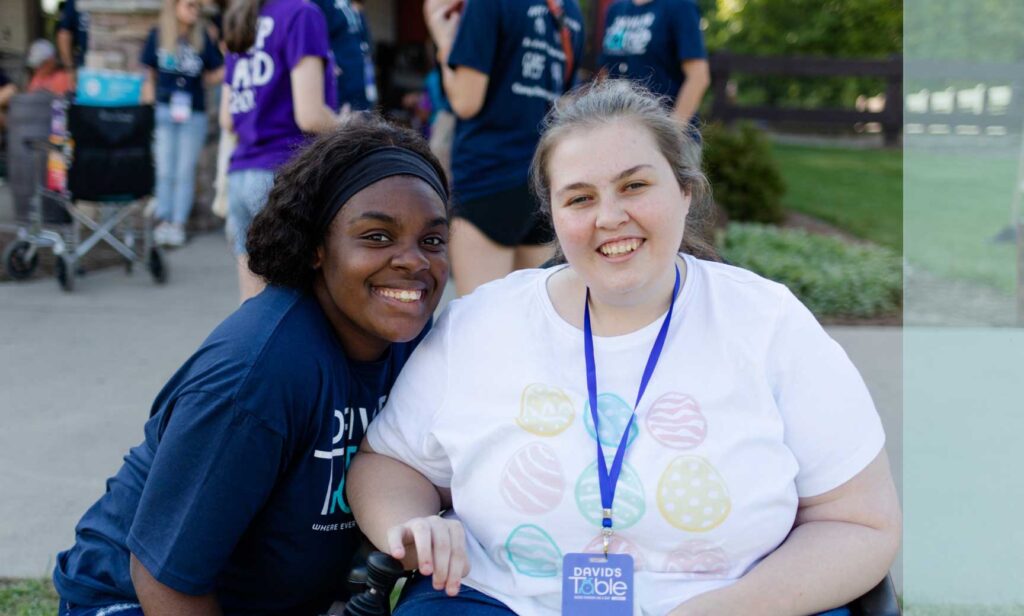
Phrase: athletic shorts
[510,217]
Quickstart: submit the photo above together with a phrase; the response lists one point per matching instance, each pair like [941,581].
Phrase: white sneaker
[160,234]
[175,236]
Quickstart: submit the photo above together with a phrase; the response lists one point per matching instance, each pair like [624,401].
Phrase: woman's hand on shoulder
[439,545]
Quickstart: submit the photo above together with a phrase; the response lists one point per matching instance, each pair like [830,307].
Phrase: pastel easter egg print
[675,420]
[699,558]
[629,504]
[544,410]
[613,414]
[692,496]
[532,552]
[617,544]
[532,481]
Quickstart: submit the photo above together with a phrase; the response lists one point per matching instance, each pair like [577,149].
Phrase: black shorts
[509,217]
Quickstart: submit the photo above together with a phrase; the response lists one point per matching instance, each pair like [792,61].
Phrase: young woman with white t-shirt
[754,478]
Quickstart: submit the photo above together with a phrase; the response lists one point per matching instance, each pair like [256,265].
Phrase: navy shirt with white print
[648,42]
[518,45]
[181,70]
[239,485]
[350,43]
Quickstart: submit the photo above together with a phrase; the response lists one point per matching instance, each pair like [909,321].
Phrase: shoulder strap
[558,13]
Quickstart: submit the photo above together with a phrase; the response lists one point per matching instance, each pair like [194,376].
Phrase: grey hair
[602,102]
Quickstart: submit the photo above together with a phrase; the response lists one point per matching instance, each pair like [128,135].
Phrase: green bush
[745,177]
[831,277]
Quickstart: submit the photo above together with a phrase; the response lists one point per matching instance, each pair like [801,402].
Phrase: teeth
[401,294]
[612,249]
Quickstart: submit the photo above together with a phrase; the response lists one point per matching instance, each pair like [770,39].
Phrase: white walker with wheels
[99,155]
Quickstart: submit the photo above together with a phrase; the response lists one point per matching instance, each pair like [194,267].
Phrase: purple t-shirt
[262,110]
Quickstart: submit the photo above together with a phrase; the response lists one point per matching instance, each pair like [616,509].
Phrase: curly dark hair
[283,237]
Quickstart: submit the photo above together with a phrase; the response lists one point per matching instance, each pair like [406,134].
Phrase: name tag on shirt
[597,585]
[181,106]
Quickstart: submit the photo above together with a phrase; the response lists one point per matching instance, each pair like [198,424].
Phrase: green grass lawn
[27,598]
[954,203]
[860,191]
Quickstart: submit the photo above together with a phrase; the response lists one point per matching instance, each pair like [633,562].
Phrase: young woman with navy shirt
[658,43]
[181,60]
[504,63]
[641,423]
[235,501]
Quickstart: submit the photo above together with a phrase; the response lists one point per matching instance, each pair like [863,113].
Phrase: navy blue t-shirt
[349,40]
[649,42]
[182,70]
[78,24]
[518,45]
[239,485]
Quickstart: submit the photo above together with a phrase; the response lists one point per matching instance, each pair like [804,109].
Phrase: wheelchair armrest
[879,601]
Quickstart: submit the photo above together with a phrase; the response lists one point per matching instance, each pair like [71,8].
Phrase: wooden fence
[724,66]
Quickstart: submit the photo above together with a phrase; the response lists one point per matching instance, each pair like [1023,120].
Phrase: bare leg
[476,258]
[532,256]
[249,284]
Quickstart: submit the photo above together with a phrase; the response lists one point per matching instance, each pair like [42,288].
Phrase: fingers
[420,530]
[440,549]
[396,541]
[458,564]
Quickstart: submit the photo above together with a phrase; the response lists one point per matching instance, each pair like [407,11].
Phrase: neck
[610,316]
[357,344]
[183,28]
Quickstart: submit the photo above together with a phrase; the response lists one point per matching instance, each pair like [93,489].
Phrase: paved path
[78,372]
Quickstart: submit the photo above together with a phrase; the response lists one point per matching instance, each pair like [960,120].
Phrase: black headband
[374,166]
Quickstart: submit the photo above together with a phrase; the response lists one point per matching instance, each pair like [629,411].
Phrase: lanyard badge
[596,584]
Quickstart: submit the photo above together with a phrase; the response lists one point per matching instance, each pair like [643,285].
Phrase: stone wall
[117,32]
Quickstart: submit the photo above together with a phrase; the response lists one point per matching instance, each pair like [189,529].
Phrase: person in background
[503,64]
[72,38]
[7,91]
[47,73]
[181,59]
[442,120]
[349,42]
[369,72]
[659,44]
[234,503]
[278,88]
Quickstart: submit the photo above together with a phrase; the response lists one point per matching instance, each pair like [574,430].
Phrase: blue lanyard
[607,480]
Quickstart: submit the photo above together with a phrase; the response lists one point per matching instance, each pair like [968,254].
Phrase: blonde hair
[168,29]
[602,102]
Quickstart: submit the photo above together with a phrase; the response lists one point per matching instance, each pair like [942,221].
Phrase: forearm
[821,565]
[64,39]
[384,493]
[688,100]
[149,87]
[319,120]
[214,77]
[158,599]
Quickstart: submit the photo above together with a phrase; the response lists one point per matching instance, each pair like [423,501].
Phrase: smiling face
[383,265]
[619,216]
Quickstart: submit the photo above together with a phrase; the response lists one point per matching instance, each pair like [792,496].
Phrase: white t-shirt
[751,406]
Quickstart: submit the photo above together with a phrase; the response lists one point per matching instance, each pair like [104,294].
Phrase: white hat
[40,51]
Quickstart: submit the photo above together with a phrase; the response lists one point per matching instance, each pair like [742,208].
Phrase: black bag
[112,159]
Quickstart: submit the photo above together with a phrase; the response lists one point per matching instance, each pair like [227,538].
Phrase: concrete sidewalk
[78,372]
